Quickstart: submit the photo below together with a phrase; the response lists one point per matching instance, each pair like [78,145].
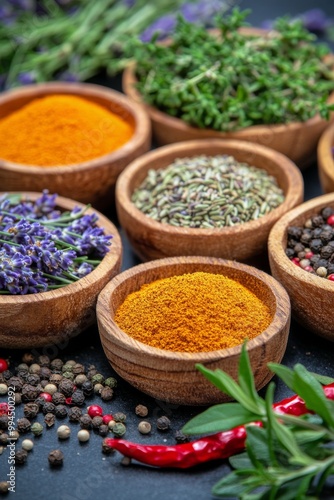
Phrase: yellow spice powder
[194,312]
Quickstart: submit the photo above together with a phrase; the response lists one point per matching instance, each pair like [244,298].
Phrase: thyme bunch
[232,81]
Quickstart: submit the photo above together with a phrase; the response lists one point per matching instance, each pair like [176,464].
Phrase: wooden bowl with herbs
[73,139]
[301,256]
[53,268]
[203,214]
[158,319]
[200,95]
[326,160]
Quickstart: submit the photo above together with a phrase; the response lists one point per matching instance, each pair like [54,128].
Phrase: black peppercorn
[40,401]
[28,358]
[163,423]
[91,373]
[103,430]
[316,245]
[327,212]
[87,388]
[106,394]
[21,457]
[43,360]
[55,379]
[106,449]
[97,421]
[306,237]
[58,398]
[320,263]
[316,232]
[85,421]
[290,252]
[66,386]
[299,248]
[30,410]
[74,414]
[30,392]
[56,364]
[56,457]
[45,373]
[78,368]
[78,397]
[180,437]
[7,374]
[23,425]
[3,422]
[317,221]
[16,382]
[292,242]
[33,379]
[48,408]
[60,411]
[330,268]
[326,252]
[326,235]
[49,419]
[295,232]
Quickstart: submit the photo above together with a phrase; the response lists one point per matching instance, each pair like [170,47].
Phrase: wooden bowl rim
[280,318]
[292,173]
[109,260]
[324,153]
[84,90]
[278,232]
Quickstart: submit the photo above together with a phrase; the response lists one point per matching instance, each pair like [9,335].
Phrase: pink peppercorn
[3,409]
[295,261]
[330,220]
[95,411]
[330,277]
[3,365]
[46,396]
[308,255]
[107,418]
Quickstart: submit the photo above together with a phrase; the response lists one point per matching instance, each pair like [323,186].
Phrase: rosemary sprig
[287,457]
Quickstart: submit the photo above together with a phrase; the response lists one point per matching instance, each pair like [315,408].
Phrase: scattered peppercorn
[98,378]
[78,397]
[49,419]
[49,408]
[56,457]
[126,461]
[107,418]
[97,421]
[163,423]
[74,414]
[85,421]
[21,457]
[58,398]
[29,392]
[51,389]
[3,421]
[106,449]
[30,410]
[83,436]
[94,410]
[4,487]
[66,386]
[144,427]
[181,438]
[81,379]
[32,379]
[107,394]
[118,429]
[141,411]
[3,389]
[98,388]
[37,428]
[28,358]
[119,417]
[87,387]
[3,365]
[27,444]
[63,432]
[103,430]
[110,382]
[61,411]
[23,425]
[56,364]
[4,438]
[34,368]
[46,397]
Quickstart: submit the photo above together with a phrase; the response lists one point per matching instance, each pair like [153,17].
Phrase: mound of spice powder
[195,312]
[207,192]
[61,130]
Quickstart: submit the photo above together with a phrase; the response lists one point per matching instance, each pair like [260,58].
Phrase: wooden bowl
[312,297]
[53,317]
[89,182]
[296,140]
[325,159]
[153,240]
[172,376]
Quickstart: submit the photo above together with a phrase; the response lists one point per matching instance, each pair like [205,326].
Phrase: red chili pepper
[217,446]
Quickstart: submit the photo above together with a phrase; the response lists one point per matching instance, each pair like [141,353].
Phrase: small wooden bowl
[172,376]
[325,159]
[296,140]
[52,318]
[153,240]
[312,297]
[89,182]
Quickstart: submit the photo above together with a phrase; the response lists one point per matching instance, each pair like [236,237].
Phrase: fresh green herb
[233,81]
[287,456]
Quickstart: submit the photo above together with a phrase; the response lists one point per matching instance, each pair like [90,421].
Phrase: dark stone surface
[86,472]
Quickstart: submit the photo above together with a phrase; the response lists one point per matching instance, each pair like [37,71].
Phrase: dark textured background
[86,472]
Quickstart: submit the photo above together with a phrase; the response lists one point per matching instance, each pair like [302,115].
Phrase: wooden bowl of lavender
[326,159]
[210,197]
[158,319]
[70,138]
[301,256]
[56,255]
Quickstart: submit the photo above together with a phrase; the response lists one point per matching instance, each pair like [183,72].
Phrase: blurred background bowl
[151,239]
[326,160]
[172,376]
[53,317]
[312,297]
[92,181]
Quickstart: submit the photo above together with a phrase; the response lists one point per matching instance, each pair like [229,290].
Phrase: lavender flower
[42,248]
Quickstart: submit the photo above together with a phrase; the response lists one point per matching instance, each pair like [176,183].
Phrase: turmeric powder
[195,312]
[61,129]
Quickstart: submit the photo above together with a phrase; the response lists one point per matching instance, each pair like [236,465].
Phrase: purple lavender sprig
[42,248]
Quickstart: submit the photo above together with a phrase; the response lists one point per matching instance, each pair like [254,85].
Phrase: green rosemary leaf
[310,390]
[246,378]
[257,444]
[219,418]
[323,379]
[240,461]
[229,386]
[283,372]
[229,486]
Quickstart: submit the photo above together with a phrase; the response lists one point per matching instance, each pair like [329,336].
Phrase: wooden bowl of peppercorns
[51,316]
[243,241]
[169,374]
[301,257]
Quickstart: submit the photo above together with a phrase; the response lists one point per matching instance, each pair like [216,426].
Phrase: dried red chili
[217,446]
